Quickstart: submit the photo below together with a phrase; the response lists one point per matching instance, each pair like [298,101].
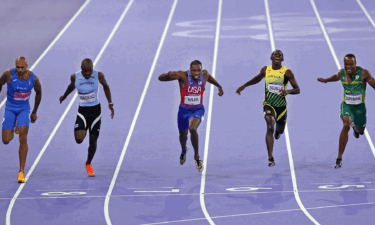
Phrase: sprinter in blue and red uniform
[89,114]
[190,115]
[17,108]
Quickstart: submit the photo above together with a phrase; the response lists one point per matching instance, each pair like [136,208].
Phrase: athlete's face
[277,57]
[350,65]
[87,71]
[196,71]
[21,67]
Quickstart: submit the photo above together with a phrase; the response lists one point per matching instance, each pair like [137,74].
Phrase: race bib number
[87,97]
[21,96]
[353,99]
[275,87]
[193,100]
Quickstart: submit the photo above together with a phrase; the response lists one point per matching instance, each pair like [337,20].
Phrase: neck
[276,67]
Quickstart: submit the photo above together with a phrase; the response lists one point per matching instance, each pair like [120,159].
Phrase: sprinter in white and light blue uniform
[20,82]
[89,114]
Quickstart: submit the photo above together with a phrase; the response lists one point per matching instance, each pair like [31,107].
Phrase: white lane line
[152,187]
[190,194]
[291,163]
[61,119]
[373,24]
[335,56]
[53,42]
[258,213]
[67,190]
[118,167]
[209,116]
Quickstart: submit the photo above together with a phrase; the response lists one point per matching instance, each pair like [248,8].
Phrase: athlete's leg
[183,138]
[23,131]
[193,126]
[92,148]
[347,121]
[270,120]
[80,128]
[80,135]
[7,135]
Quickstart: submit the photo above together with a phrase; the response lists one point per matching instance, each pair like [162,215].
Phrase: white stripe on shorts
[95,121]
[83,118]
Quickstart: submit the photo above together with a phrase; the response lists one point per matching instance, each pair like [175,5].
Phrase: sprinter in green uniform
[277,77]
[353,108]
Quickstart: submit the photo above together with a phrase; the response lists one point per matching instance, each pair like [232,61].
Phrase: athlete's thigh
[7,135]
[23,131]
[194,123]
[80,127]
[281,118]
[360,117]
[23,118]
[9,120]
[269,114]
[346,111]
[196,118]
[183,118]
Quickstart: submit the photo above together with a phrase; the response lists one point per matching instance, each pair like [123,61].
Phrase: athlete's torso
[19,91]
[87,89]
[192,93]
[275,81]
[355,92]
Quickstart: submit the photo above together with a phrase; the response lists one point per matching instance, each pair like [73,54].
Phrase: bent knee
[6,142]
[79,140]
[193,130]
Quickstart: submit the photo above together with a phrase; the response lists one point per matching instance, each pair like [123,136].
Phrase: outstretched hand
[240,89]
[322,80]
[112,111]
[62,99]
[221,92]
[33,117]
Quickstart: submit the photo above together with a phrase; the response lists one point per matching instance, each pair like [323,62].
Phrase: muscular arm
[290,76]
[171,75]
[253,81]
[38,94]
[5,78]
[368,78]
[107,92]
[212,80]
[334,78]
[70,88]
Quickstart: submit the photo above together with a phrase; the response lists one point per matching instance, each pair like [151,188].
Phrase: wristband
[111,103]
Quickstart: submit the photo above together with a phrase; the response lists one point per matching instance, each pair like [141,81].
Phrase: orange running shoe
[21,178]
[90,171]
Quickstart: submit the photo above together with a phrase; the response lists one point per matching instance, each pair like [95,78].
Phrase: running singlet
[192,93]
[87,89]
[355,92]
[19,91]
[274,83]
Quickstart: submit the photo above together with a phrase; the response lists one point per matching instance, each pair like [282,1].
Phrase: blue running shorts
[186,113]
[11,115]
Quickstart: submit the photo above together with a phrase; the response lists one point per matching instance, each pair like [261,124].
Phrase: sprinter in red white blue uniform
[89,115]
[191,111]
[20,82]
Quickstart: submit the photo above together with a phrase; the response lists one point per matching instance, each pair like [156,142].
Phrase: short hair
[21,58]
[350,55]
[279,51]
[86,62]
[195,62]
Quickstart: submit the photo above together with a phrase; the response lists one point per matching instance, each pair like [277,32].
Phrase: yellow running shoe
[90,171]
[21,178]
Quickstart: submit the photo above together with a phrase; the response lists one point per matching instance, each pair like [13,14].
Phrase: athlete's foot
[271,162]
[90,170]
[16,131]
[21,178]
[199,165]
[338,163]
[277,135]
[183,155]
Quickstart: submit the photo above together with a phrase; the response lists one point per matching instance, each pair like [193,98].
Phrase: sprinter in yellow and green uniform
[274,104]
[353,108]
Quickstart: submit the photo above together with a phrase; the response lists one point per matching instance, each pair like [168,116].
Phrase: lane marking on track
[121,159]
[193,194]
[53,42]
[8,215]
[291,163]
[259,213]
[66,190]
[209,116]
[153,187]
[172,191]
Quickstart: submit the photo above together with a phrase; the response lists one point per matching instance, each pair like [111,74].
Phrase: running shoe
[271,162]
[90,171]
[199,165]
[338,163]
[277,135]
[21,178]
[183,155]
